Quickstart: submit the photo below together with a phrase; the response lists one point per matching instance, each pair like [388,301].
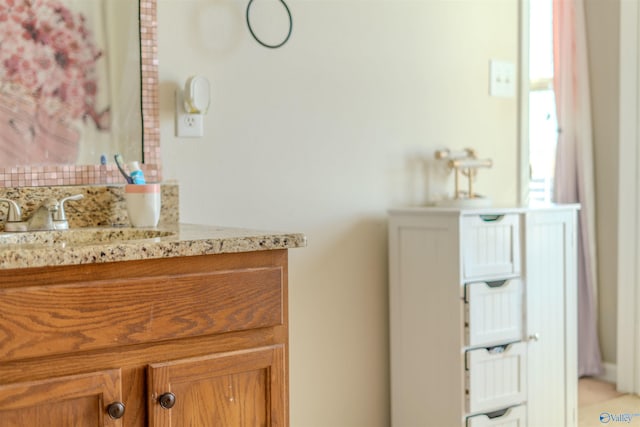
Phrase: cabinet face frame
[187,373]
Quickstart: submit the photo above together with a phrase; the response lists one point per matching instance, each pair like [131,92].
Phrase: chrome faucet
[50,215]
[42,218]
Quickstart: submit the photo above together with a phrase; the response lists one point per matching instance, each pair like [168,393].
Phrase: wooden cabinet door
[73,401]
[551,318]
[244,388]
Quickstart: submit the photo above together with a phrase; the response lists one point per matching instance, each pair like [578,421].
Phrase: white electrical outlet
[187,125]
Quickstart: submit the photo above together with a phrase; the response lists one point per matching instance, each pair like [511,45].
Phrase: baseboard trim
[610,373]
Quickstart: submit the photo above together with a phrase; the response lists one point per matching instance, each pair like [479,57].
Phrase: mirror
[49,137]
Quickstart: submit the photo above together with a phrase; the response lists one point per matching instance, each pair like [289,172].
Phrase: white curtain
[574,175]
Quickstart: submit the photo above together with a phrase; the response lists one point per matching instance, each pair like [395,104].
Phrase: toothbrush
[118,159]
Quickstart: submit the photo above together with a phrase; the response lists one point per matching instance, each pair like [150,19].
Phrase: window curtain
[574,175]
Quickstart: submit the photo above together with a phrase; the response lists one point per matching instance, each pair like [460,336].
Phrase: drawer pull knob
[167,400]
[116,410]
[534,337]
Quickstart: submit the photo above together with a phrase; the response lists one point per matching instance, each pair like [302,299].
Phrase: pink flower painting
[48,81]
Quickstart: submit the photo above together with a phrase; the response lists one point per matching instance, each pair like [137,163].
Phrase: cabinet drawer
[511,417]
[496,377]
[88,315]
[493,312]
[491,246]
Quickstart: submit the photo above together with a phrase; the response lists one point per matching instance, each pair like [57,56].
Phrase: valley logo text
[607,417]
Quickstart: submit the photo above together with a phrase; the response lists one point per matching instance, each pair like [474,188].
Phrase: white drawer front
[513,417]
[493,312]
[496,379]
[491,246]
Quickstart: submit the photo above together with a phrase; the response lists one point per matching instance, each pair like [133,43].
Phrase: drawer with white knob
[491,246]
[510,417]
[495,377]
[493,312]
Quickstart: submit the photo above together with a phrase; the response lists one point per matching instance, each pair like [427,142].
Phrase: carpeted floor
[623,410]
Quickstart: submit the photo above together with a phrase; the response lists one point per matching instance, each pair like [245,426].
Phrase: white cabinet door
[550,251]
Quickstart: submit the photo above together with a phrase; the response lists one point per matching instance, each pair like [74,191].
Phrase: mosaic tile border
[36,176]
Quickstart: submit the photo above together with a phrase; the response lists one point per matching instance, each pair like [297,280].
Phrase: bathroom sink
[81,236]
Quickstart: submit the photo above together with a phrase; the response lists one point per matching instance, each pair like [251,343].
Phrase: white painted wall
[321,137]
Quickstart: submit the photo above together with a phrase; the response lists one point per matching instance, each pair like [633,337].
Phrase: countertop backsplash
[102,205]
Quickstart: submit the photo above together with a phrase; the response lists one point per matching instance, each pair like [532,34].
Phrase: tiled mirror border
[35,176]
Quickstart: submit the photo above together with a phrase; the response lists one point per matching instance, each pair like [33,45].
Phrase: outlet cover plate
[187,125]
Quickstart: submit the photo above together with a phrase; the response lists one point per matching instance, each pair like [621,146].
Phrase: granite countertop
[111,244]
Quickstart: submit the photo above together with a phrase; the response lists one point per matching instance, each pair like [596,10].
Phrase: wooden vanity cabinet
[198,341]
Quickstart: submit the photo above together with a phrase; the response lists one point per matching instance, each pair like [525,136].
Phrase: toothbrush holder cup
[143,204]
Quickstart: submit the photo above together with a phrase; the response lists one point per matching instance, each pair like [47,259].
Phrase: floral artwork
[48,81]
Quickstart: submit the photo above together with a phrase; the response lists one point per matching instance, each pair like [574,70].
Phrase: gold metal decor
[464,163]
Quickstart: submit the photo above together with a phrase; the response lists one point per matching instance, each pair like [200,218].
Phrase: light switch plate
[502,79]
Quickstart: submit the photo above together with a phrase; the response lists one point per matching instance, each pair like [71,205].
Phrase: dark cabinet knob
[116,410]
[167,400]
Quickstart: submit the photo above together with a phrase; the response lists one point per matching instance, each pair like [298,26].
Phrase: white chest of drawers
[483,317]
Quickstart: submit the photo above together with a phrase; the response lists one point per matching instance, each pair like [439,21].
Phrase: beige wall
[603,38]
[322,136]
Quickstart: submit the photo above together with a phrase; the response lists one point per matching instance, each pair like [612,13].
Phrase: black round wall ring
[270,46]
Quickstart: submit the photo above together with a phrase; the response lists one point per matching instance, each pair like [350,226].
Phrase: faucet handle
[60,215]
[14,213]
